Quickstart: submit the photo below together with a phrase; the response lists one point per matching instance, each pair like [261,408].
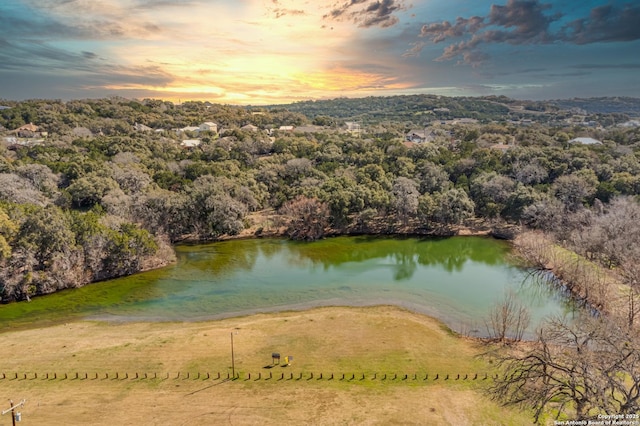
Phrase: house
[188,129]
[28,131]
[190,143]
[420,135]
[308,129]
[353,127]
[630,123]
[208,126]
[286,128]
[249,128]
[585,141]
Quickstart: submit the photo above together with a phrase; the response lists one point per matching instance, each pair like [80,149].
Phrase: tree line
[76,209]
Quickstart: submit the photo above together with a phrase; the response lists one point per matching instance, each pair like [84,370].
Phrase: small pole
[233,364]
[12,409]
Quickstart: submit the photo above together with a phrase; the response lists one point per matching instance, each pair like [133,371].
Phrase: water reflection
[454,279]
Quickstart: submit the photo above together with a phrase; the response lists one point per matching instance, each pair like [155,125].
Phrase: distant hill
[609,105]
[415,108]
[426,108]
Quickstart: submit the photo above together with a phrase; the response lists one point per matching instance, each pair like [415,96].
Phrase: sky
[256,52]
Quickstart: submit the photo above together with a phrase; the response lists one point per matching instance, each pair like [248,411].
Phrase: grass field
[382,343]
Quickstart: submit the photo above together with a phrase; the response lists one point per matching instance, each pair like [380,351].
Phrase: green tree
[452,207]
[8,230]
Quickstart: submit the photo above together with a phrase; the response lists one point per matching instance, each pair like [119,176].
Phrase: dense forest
[94,189]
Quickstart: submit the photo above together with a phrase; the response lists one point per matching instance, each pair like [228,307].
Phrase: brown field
[350,341]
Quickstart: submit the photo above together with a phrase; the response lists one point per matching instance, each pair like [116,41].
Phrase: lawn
[167,373]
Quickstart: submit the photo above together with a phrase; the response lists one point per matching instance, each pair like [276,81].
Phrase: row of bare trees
[578,368]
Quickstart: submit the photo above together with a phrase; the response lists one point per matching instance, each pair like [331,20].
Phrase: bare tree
[307,218]
[508,319]
[580,367]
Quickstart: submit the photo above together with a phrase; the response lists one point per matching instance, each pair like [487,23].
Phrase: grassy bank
[350,341]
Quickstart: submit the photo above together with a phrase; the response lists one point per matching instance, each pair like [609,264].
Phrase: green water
[455,279]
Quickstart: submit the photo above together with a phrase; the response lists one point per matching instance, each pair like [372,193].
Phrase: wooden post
[233,362]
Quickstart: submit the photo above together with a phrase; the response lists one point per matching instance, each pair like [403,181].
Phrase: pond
[456,280]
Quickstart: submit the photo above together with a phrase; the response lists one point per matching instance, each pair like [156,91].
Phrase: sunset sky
[279,51]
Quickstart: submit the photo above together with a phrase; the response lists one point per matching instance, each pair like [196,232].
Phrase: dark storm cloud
[378,13]
[528,22]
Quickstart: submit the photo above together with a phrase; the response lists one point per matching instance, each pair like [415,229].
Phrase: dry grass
[326,340]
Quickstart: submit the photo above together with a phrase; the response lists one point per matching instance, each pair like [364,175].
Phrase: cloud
[606,23]
[628,66]
[280,12]
[528,22]
[367,13]
[440,31]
